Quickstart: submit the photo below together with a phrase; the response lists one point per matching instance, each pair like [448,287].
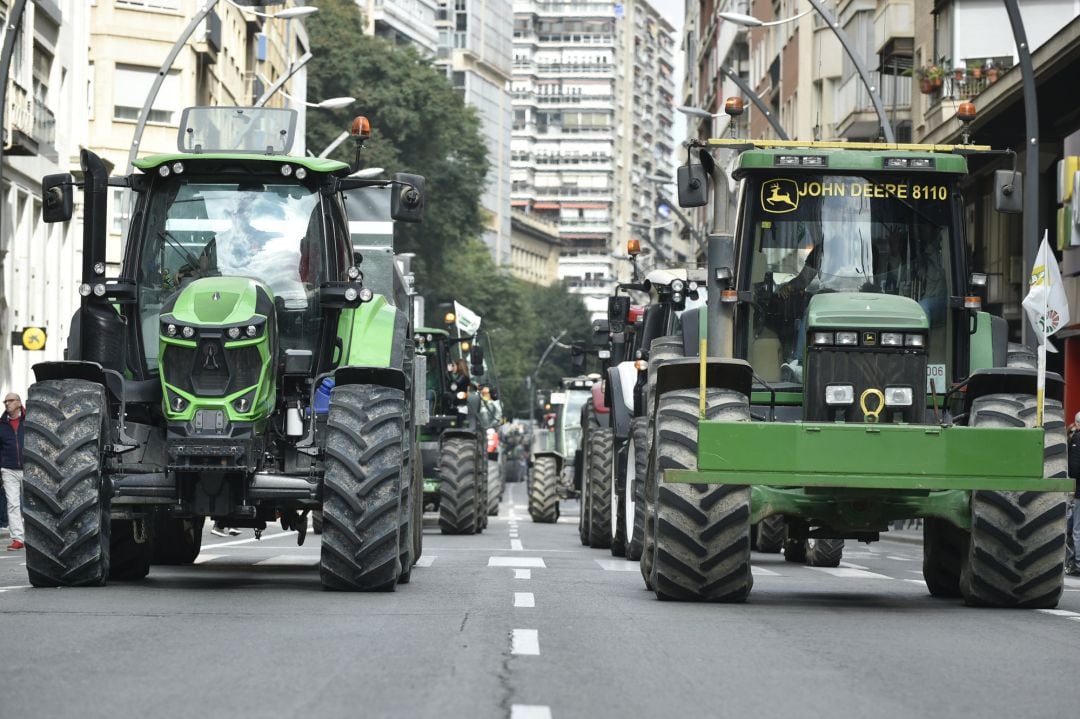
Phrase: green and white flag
[1047,310]
[467,320]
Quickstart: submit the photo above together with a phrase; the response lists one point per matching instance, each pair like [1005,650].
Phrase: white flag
[467,320]
[1046,305]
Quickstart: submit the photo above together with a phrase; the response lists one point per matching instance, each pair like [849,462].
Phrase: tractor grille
[209,370]
[864,369]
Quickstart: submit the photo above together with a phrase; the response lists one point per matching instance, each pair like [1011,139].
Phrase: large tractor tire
[636,462]
[661,348]
[770,534]
[944,547]
[480,460]
[459,502]
[316,521]
[494,487]
[66,501]
[1016,554]
[362,489]
[176,541]
[590,423]
[618,502]
[543,491]
[702,531]
[410,496]
[598,486]
[824,552]
[129,559]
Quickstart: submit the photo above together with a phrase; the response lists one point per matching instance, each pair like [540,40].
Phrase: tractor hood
[220,301]
[858,310]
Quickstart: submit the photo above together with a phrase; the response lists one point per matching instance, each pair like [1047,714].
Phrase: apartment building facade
[43,129]
[592,102]
[403,21]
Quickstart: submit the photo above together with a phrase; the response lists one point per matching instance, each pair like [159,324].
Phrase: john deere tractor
[852,378]
[239,367]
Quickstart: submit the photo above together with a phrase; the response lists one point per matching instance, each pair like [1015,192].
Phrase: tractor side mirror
[1008,191]
[58,204]
[407,199]
[618,309]
[693,186]
[577,362]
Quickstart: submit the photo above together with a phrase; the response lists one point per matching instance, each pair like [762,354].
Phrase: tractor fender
[555,455]
[468,434]
[1010,380]
[382,376]
[720,373]
[690,339]
[620,383]
[120,389]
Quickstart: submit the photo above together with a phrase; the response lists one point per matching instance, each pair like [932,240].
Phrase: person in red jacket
[12,431]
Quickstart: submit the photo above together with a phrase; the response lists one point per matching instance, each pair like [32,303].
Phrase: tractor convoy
[262,357]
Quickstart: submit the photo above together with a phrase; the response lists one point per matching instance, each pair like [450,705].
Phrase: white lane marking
[265,538]
[530,711]
[617,565]
[522,574]
[1059,612]
[1072,582]
[849,572]
[204,558]
[524,599]
[762,572]
[849,565]
[920,582]
[899,559]
[537,562]
[288,559]
[566,520]
[17,586]
[525,642]
[426,561]
[515,545]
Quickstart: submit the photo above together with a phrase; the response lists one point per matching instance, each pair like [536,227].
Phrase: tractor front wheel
[543,491]
[459,501]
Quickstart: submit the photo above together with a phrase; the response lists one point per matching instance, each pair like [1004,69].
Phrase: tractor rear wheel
[636,462]
[770,534]
[176,541]
[362,492]
[66,500]
[598,487]
[410,496]
[618,503]
[129,559]
[702,530]
[543,495]
[590,423]
[316,521]
[824,552]
[944,547]
[459,503]
[494,487]
[1016,556]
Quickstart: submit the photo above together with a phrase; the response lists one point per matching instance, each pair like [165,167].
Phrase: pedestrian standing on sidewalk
[1072,527]
[12,431]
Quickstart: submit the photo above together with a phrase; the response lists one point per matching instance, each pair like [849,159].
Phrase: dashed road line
[617,565]
[17,586]
[525,642]
[849,572]
[524,599]
[288,560]
[426,561]
[762,572]
[515,545]
[898,559]
[1060,613]
[537,562]
[204,558]
[249,540]
[530,711]
[522,574]
[849,565]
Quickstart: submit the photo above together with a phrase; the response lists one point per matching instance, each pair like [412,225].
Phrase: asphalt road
[524,622]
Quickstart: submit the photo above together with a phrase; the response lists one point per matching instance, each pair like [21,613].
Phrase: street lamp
[332,103]
[286,14]
[665,180]
[834,25]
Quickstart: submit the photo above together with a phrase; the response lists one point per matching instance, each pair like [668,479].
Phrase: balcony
[855,112]
[29,126]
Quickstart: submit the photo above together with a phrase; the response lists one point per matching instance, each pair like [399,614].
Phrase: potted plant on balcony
[930,78]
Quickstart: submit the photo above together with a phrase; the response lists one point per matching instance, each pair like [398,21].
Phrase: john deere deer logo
[780,195]
[210,359]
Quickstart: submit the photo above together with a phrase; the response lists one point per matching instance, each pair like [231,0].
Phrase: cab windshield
[570,419]
[842,233]
[269,232]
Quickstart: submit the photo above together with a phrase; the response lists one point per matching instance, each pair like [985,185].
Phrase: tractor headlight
[351,294]
[678,286]
[170,329]
[823,338]
[914,340]
[366,295]
[188,332]
[252,330]
[839,395]
[677,298]
[847,338]
[892,339]
[898,396]
[300,173]
[234,333]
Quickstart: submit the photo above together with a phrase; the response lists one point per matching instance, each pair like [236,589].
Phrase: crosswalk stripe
[288,559]
[617,565]
[849,572]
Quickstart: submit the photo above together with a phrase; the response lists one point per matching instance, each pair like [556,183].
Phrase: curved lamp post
[14,19]
[673,206]
[749,92]
[834,25]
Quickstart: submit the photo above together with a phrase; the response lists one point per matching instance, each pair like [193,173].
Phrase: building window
[131,86]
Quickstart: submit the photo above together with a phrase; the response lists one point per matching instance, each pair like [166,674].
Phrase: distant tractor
[552,477]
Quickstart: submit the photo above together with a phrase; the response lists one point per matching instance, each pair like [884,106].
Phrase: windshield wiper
[192,259]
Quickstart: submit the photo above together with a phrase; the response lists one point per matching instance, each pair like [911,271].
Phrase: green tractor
[452,444]
[239,368]
[551,476]
[852,379]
